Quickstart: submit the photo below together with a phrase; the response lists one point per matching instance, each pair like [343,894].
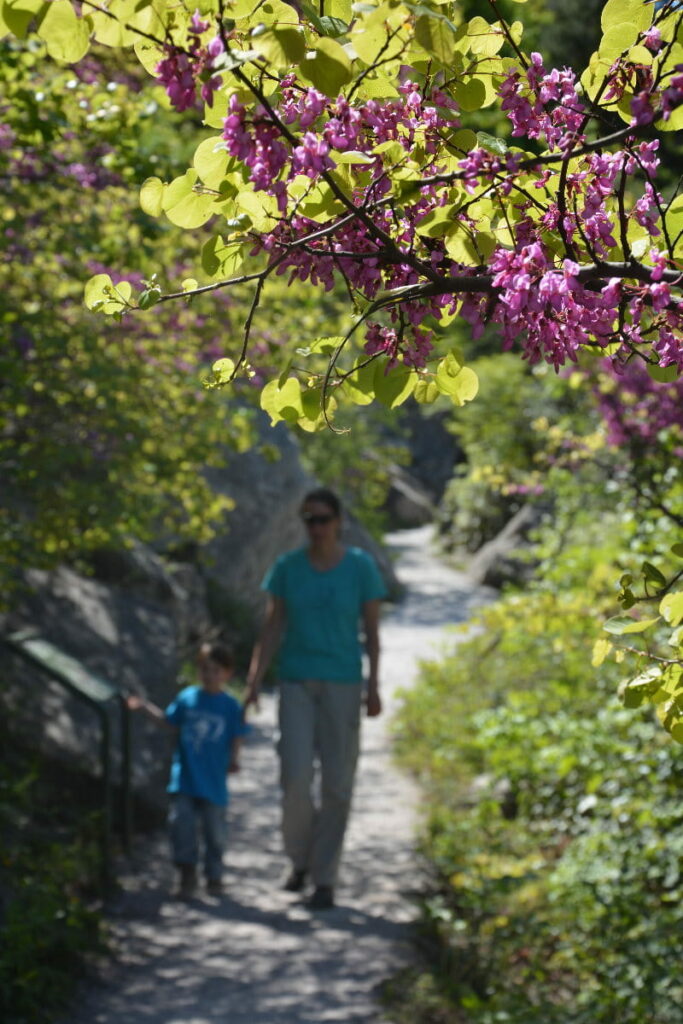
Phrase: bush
[46,878]
[554,825]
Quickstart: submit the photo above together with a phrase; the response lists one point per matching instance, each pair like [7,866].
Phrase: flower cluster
[181,70]
[541,264]
[634,407]
[527,98]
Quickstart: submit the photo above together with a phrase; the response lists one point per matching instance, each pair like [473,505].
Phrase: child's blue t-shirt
[207,724]
[323,608]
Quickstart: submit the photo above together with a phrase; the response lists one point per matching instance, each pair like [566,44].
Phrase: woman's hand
[373,702]
[251,696]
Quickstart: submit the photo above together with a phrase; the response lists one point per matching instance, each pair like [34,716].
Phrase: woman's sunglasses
[317,520]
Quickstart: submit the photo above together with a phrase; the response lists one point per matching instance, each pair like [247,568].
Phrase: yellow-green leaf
[437,36]
[485,40]
[211,161]
[459,382]
[220,258]
[327,67]
[671,607]
[281,47]
[152,196]
[619,12]
[223,370]
[18,15]
[67,37]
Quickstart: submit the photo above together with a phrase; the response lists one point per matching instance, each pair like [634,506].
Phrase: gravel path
[257,955]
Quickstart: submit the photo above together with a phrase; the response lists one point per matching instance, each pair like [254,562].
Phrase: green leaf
[470,93]
[261,208]
[485,40]
[351,156]
[103,296]
[220,258]
[671,607]
[360,384]
[18,15]
[211,161]
[677,549]
[459,382]
[601,649]
[328,67]
[152,196]
[223,370]
[282,402]
[633,692]
[617,40]
[651,572]
[619,625]
[663,374]
[394,386]
[66,36]
[436,35]
[426,391]
[321,346]
[97,290]
[633,12]
[492,143]
[185,207]
[149,297]
[281,47]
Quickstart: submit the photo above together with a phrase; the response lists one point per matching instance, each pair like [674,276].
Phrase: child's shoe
[214,887]
[188,882]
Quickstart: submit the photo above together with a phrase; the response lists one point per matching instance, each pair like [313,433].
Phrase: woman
[318,595]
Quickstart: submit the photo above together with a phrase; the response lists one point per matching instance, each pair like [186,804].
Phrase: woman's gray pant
[318,720]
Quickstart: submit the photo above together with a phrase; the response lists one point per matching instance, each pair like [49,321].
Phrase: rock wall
[137,620]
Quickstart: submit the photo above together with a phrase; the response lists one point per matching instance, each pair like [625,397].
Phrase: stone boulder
[504,559]
[137,619]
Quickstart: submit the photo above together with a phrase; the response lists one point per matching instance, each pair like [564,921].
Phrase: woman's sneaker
[322,898]
[295,880]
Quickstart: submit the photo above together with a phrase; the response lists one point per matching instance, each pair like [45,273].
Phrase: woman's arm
[371,627]
[265,647]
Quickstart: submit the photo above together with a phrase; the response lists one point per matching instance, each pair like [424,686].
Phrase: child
[209,724]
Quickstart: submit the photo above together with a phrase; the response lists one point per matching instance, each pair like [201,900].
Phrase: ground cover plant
[49,882]
[553,827]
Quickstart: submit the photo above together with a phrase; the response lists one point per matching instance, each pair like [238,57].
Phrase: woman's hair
[219,653]
[326,497]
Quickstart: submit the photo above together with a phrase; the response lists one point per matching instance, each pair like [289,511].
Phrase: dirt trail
[258,956]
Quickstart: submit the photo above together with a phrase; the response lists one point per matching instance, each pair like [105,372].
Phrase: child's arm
[152,711]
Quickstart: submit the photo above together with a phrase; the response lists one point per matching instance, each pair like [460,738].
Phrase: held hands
[133,702]
[251,696]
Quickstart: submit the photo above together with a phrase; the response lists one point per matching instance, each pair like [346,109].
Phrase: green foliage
[554,825]
[104,433]
[504,436]
[48,923]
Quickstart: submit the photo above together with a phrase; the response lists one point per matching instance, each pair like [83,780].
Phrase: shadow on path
[258,955]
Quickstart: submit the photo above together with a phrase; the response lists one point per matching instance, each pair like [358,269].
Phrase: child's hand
[133,702]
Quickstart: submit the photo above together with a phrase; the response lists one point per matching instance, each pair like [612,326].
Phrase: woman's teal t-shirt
[323,608]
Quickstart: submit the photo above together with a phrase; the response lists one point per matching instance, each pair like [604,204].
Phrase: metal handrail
[97,693]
